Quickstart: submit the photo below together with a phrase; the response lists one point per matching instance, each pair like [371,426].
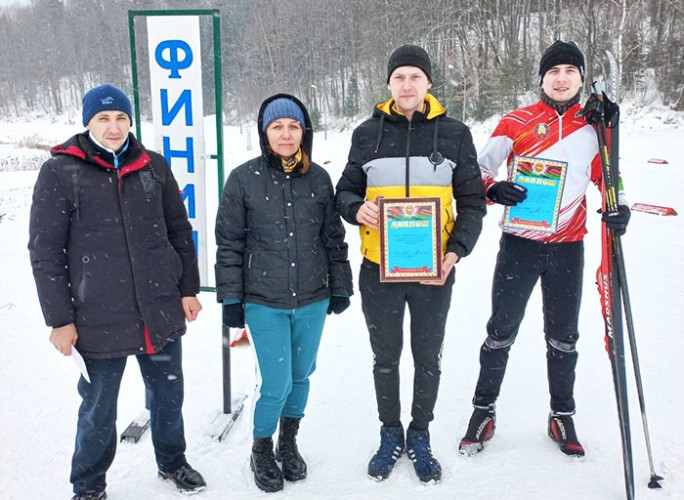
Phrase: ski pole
[594,114]
[622,278]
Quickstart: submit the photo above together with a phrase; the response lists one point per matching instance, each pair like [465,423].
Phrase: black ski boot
[562,431]
[294,466]
[267,475]
[480,429]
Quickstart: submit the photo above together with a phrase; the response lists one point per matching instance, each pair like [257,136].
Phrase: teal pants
[285,343]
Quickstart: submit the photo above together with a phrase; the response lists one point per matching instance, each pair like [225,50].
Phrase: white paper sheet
[80,363]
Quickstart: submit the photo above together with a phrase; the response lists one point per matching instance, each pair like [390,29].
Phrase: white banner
[177,111]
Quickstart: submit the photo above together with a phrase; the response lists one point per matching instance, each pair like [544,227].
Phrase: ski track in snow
[341,430]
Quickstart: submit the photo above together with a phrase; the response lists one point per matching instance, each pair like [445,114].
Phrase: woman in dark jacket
[281,265]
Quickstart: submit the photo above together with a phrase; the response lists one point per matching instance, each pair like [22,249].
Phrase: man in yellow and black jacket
[410,148]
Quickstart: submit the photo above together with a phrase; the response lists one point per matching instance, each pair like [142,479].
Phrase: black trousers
[383,307]
[519,265]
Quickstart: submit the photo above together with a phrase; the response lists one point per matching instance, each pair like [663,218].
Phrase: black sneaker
[186,479]
[562,431]
[480,429]
[392,445]
[98,495]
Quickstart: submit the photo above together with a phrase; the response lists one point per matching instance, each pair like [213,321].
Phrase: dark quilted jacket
[111,250]
[280,239]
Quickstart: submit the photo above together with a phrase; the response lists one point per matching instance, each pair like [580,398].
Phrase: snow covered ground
[340,431]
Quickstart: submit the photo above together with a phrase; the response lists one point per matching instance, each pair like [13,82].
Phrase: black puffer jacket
[111,250]
[280,239]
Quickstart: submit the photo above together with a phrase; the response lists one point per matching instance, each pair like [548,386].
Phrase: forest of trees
[333,53]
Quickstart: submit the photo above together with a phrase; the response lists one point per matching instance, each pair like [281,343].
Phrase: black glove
[593,108]
[611,115]
[234,315]
[506,193]
[617,221]
[338,304]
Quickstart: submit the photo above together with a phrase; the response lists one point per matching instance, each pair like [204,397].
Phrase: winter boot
[186,479]
[267,475]
[418,448]
[480,429]
[562,431]
[294,466]
[391,448]
[98,495]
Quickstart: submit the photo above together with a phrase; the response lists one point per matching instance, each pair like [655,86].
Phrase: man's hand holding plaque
[368,215]
[448,262]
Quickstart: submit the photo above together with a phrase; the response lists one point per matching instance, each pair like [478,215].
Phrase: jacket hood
[307,141]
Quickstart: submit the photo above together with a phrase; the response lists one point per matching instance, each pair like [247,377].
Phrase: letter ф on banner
[174,48]
[177,110]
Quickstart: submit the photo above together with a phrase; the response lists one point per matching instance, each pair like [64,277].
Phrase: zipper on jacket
[560,127]
[124,223]
[119,179]
[76,200]
[249,262]
[408,156]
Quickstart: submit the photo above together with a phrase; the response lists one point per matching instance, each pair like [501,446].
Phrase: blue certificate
[544,180]
[410,239]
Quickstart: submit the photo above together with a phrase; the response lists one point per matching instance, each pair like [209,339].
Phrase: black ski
[614,87]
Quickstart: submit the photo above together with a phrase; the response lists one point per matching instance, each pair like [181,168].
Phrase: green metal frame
[218,91]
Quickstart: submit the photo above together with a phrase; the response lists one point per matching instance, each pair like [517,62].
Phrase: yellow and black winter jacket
[431,155]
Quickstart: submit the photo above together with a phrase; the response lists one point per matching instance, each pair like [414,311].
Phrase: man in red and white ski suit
[550,131]
[539,131]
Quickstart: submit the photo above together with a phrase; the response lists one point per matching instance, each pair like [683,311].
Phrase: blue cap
[282,108]
[105,98]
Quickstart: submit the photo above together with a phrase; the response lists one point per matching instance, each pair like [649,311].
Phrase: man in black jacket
[409,148]
[116,271]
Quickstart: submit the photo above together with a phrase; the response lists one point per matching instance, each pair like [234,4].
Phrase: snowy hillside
[341,430]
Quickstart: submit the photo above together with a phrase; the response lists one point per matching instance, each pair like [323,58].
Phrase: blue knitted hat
[282,108]
[105,98]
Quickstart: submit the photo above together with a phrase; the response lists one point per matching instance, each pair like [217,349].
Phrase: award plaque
[544,181]
[410,239]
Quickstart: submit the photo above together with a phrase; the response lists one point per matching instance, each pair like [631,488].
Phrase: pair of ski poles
[594,114]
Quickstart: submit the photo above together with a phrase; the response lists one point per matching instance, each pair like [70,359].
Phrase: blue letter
[173,63]
[188,193]
[185,99]
[195,238]
[188,154]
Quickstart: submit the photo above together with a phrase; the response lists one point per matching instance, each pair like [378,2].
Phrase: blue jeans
[285,344]
[96,435]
